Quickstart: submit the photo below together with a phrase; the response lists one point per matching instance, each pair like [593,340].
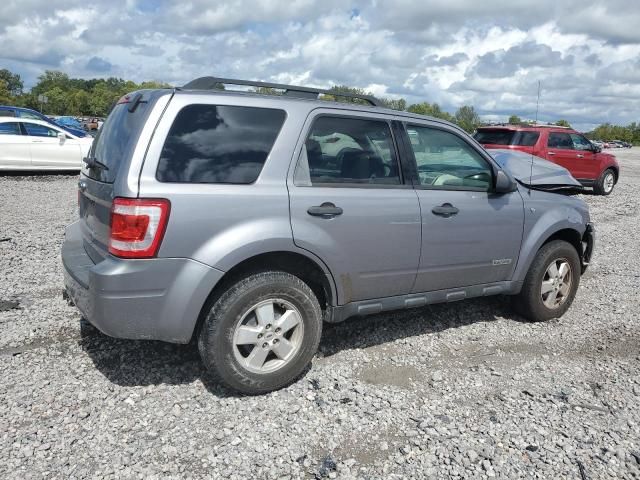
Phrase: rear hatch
[110,154]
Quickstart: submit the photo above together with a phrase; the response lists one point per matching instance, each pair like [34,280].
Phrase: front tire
[604,185]
[261,333]
[551,283]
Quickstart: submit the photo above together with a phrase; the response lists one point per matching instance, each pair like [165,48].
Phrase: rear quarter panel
[221,225]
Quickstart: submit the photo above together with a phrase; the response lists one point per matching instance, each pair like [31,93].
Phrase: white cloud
[490,54]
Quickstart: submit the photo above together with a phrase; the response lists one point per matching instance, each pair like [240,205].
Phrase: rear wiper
[93,162]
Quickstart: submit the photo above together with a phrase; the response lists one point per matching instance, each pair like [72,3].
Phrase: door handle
[551,153]
[37,141]
[445,210]
[580,156]
[326,210]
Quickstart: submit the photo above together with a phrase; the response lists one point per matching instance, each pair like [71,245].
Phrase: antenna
[536,123]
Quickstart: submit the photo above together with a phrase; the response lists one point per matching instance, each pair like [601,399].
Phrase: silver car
[248,220]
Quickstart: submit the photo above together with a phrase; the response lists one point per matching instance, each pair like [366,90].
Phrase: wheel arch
[310,270]
[565,231]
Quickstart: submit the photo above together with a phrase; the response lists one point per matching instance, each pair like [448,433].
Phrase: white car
[27,144]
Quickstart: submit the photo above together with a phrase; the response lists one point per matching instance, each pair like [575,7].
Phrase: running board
[416,300]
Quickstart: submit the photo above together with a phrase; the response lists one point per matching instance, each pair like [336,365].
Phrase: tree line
[68,96]
[94,97]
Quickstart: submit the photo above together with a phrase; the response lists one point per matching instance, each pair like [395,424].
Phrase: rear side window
[7,113]
[219,144]
[527,139]
[32,116]
[10,128]
[495,137]
[351,151]
[507,137]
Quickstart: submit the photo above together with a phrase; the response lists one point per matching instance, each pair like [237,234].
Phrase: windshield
[500,136]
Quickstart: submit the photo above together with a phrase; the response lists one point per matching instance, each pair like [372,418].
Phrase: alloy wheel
[268,336]
[556,283]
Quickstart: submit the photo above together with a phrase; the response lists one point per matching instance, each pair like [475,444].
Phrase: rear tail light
[137,226]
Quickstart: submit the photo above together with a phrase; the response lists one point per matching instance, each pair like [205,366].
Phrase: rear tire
[261,333]
[551,283]
[604,185]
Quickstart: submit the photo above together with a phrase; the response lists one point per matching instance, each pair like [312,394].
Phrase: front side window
[560,140]
[219,144]
[447,162]
[9,128]
[580,142]
[351,151]
[35,130]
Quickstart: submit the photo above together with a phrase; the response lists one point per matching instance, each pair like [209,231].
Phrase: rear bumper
[588,244]
[153,299]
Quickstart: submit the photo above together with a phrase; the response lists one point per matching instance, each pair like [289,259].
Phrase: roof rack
[210,83]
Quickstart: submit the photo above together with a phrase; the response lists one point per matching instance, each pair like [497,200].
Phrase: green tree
[5,95]
[515,120]
[563,123]
[399,104]
[431,109]
[13,82]
[348,90]
[467,118]
[154,84]
[57,102]
[51,79]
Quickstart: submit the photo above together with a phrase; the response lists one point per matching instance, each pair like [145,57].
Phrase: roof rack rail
[210,83]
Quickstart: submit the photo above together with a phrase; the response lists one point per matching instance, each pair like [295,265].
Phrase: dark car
[20,112]
[564,146]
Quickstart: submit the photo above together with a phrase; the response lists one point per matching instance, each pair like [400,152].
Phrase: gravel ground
[464,390]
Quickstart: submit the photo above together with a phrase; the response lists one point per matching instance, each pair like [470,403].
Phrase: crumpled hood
[543,174]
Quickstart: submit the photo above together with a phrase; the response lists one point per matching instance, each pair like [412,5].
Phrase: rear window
[218,144]
[507,137]
[113,142]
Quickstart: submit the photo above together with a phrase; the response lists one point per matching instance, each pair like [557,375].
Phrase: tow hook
[67,298]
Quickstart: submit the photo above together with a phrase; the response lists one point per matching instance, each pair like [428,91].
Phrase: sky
[490,54]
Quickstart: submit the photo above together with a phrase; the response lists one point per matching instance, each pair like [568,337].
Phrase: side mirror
[504,183]
[62,137]
[597,149]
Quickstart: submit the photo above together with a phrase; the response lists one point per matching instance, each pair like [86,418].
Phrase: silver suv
[247,220]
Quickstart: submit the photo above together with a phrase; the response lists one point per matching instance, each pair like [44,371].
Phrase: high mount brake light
[137,226]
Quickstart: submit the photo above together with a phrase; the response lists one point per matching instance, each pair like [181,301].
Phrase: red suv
[560,145]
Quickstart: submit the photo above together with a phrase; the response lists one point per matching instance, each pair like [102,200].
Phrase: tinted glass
[560,140]
[580,142]
[526,139]
[495,137]
[446,161]
[10,128]
[7,113]
[32,116]
[218,144]
[506,137]
[347,150]
[36,130]
[115,138]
